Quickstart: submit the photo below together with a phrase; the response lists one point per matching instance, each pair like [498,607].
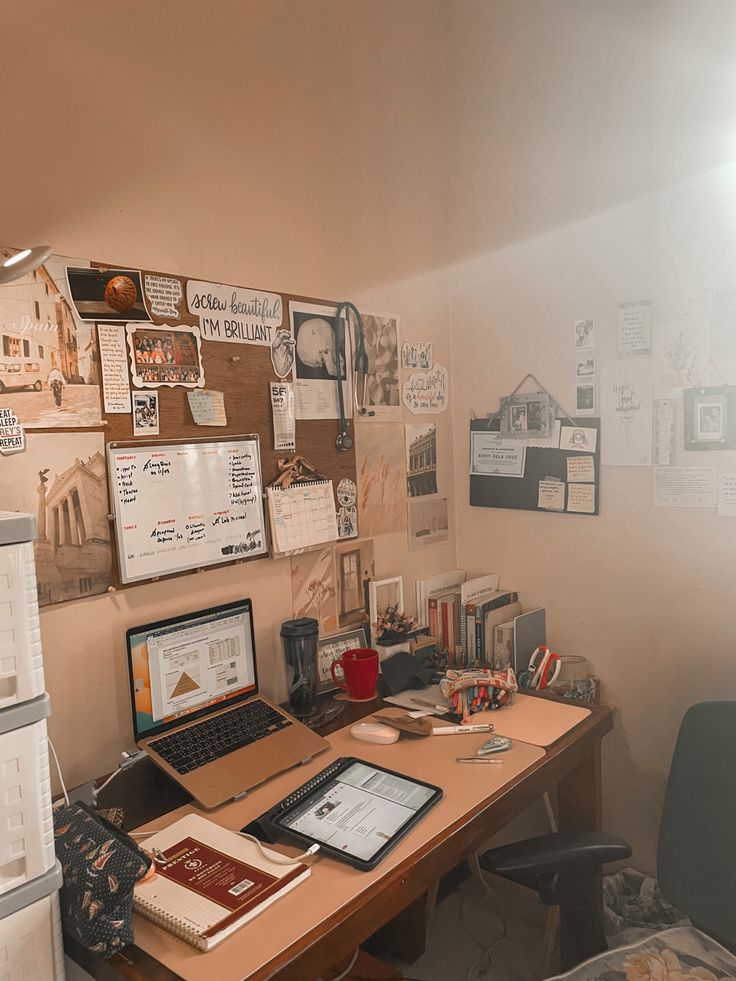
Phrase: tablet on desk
[356,811]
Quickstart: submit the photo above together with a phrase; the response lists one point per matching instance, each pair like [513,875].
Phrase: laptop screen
[186,667]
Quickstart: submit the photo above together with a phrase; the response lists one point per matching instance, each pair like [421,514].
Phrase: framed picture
[710,418]
[329,649]
[526,415]
[381,594]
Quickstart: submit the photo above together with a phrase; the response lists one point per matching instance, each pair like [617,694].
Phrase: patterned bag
[100,865]
[478,690]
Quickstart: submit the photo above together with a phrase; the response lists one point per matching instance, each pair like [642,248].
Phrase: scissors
[544,669]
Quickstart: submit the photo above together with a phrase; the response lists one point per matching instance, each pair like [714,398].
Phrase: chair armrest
[554,853]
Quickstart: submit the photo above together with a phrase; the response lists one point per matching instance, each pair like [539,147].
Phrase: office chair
[696,856]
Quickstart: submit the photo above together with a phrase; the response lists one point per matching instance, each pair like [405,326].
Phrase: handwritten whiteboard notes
[181,507]
[229,313]
[427,391]
[302,516]
[113,359]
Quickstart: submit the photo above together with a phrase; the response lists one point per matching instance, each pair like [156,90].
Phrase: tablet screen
[358,811]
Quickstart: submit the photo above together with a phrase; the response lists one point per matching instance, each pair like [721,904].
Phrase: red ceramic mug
[359,668]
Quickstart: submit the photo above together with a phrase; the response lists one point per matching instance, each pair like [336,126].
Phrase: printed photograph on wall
[49,362]
[145,413]
[381,465]
[330,649]
[165,356]
[382,395]
[428,523]
[354,567]
[63,481]
[710,417]
[421,459]
[106,294]
[317,362]
[313,590]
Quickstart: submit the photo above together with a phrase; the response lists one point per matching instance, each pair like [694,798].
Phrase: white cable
[348,969]
[58,770]
[282,859]
[550,813]
[98,790]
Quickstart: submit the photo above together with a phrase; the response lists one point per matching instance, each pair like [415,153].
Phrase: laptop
[196,708]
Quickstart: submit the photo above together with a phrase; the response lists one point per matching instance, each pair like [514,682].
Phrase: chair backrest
[696,860]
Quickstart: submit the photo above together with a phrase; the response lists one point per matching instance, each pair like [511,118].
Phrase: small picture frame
[329,649]
[383,593]
[527,415]
[710,418]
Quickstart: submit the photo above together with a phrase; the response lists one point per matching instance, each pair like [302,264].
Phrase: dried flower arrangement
[394,623]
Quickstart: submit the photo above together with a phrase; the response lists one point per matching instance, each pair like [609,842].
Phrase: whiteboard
[185,505]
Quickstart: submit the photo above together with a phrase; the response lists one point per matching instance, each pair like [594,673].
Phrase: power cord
[58,770]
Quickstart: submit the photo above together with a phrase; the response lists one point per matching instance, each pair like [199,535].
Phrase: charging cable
[58,770]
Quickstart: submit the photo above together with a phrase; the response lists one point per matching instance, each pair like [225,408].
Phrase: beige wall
[284,145]
[593,163]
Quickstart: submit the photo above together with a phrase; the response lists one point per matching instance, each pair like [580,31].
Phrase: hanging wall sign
[228,313]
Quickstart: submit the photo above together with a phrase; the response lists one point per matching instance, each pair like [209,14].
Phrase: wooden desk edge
[572,760]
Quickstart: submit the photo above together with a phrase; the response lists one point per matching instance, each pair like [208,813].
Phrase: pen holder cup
[481,690]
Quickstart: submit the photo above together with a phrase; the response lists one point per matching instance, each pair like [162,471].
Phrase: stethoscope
[343,440]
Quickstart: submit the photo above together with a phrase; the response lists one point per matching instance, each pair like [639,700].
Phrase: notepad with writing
[210,881]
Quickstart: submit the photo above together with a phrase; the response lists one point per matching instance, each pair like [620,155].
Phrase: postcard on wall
[145,414]
[347,508]
[354,567]
[313,589]
[584,334]
[207,407]
[63,482]
[681,353]
[580,438]
[107,294]
[381,398]
[428,523]
[492,454]
[581,498]
[165,355]
[727,495]
[421,459]
[114,366]
[723,325]
[163,296]
[381,468]
[234,314]
[626,411]
[416,354]
[685,487]
[580,469]
[635,328]
[664,432]
[427,391]
[49,370]
[551,494]
[317,364]
[12,437]
[584,365]
[585,399]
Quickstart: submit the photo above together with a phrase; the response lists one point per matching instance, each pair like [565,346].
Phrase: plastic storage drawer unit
[31,947]
[21,663]
[26,820]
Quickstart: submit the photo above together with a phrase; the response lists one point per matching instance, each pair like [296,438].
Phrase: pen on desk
[457,730]
[476,759]
[432,705]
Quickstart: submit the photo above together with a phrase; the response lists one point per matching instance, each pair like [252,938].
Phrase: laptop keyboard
[207,741]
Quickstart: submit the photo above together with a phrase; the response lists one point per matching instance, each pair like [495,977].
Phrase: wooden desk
[571,765]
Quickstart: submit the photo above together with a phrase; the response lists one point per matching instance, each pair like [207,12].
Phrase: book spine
[451,634]
[433,621]
[463,634]
[444,629]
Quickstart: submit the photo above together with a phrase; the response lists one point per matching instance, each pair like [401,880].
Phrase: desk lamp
[23,262]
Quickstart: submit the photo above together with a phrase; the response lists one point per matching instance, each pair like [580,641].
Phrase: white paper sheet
[626,411]
[584,334]
[581,469]
[685,487]
[491,454]
[635,328]
[316,365]
[551,495]
[727,495]
[664,432]
[114,364]
[207,407]
[579,438]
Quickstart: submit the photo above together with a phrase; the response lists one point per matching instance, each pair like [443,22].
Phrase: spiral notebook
[210,881]
[302,516]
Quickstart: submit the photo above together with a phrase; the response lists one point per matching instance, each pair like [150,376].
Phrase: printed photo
[585,365]
[421,454]
[108,295]
[584,399]
[584,333]
[428,523]
[317,364]
[49,361]
[382,398]
[330,649]
[63,481]
[526,415]
[313,588]
[381,463]
[709,420]
[315,347]
[354,567]
[165,356]
[145,414]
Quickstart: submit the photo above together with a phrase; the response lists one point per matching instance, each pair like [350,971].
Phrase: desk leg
[403,937]
[579,794]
